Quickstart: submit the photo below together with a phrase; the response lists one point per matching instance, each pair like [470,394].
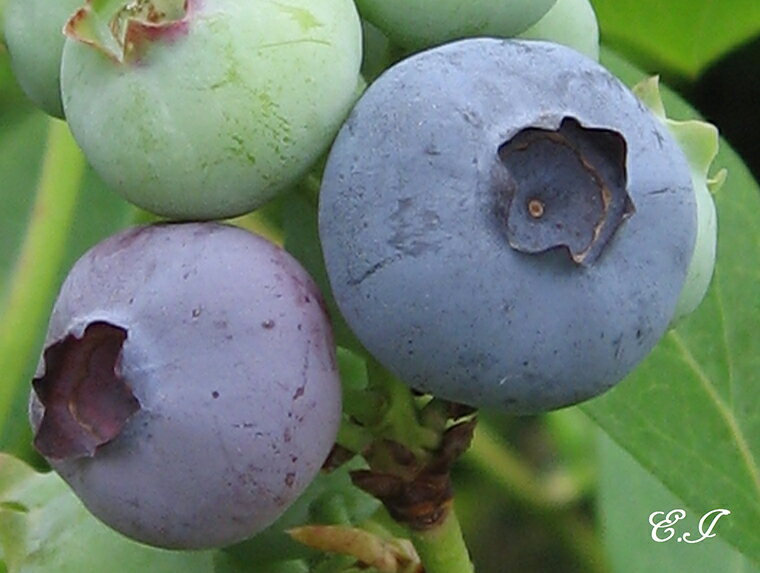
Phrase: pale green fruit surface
[34,35]
[699,141]
[571,23]
[213,114]
[418,24]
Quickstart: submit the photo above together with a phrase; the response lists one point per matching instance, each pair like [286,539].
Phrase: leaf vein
[723,410]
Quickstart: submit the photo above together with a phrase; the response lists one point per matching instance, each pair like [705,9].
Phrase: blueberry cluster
[504,224]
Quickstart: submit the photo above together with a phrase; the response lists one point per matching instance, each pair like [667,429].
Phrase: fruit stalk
[410,461]
[33,285]
[442,548]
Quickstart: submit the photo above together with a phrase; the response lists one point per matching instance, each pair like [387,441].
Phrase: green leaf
[52,531]
[683,36]
[690,413]
[628,494]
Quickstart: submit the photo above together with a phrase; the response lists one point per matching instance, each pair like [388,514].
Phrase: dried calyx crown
[122,30]
[566,188]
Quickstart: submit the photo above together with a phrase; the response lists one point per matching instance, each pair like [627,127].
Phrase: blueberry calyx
[85,401]
[566,188]
[124,35]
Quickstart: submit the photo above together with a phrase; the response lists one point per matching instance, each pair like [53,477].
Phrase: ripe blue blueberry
[505,224]
[188,391]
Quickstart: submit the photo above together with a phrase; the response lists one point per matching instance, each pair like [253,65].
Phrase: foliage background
[568,491]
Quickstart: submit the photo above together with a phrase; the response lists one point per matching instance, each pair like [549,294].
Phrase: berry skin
[426,23]
[206,109]
[189,391]
[504,224]
[699,141]
[34,35]
[571,23]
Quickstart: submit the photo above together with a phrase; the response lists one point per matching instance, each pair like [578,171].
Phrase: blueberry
[425,23]
[571,23]
[505,224]
[34,35]
[206,109]
[188,391]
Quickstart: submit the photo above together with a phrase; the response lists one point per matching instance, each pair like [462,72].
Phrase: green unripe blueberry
[699,141]
[703,260]
[425,23]
[34,36]
[206,109]
[571,23]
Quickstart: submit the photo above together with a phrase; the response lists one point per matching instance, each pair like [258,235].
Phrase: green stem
[33,283]
[353,437]
[442,549]
[400,420]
